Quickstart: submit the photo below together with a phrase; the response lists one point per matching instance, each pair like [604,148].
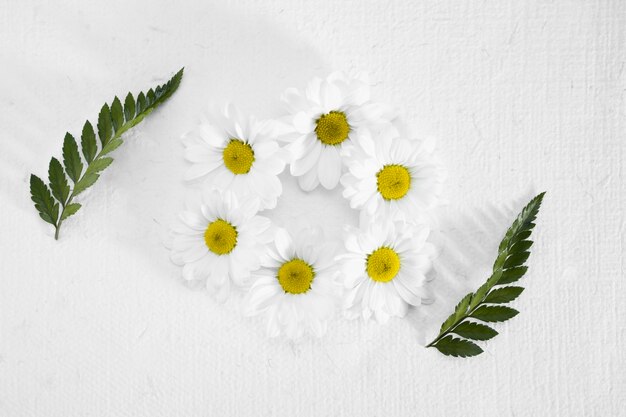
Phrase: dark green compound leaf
[503,295]
[44,203]
[113,121]
[58,181]
[71,158]
[513,252]
[474,331]
[451,346]
[88,142]
[494,313]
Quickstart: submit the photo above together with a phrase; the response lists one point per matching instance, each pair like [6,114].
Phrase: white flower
[384,269]
[324,122]
[389,176]
[220,241]
[236,153]
[295,289]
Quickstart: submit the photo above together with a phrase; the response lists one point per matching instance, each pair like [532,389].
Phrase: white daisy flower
[220,241]
[295,289]
[324,120]
[384,269]
[393,177]
[236,153]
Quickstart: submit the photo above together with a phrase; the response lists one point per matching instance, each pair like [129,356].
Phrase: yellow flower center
[238,156]
[393,181]
[296,276]
[220,237]
[383,264]
[332,128]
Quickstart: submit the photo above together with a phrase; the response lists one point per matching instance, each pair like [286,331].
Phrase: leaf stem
[117,135]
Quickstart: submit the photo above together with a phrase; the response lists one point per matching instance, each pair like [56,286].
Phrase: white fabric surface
[523,96]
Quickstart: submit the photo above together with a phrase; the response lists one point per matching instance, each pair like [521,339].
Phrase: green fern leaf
[71,158]
[461,308]
[449,322]
[459,312]
[105,125]
[88,142]
[117,114]
[113,122]
[99,164]
[44,203]
[494,313]
[58,181]
[85,182]
[452,346]
[111,146]
[516,259]
[141,103]
[69,210]
[129,107]
[513,253]
[480,294]
[151,96]
[522,245]
[503,295]
[475,331]
[512,275]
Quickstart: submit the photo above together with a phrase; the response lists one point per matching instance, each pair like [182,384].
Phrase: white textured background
[524,96]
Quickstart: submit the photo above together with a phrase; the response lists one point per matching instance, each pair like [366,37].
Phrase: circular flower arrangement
[333,136]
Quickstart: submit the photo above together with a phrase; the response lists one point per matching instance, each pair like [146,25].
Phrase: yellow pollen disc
[220,237]
[238,156]
[332,128]
[296,276]
[383,264]
[393,181]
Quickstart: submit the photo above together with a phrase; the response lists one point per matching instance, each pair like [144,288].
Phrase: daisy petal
[295,100]
[198,171]
[308,161]
[308,181]
[303,123]
[284,244]
[329,167]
